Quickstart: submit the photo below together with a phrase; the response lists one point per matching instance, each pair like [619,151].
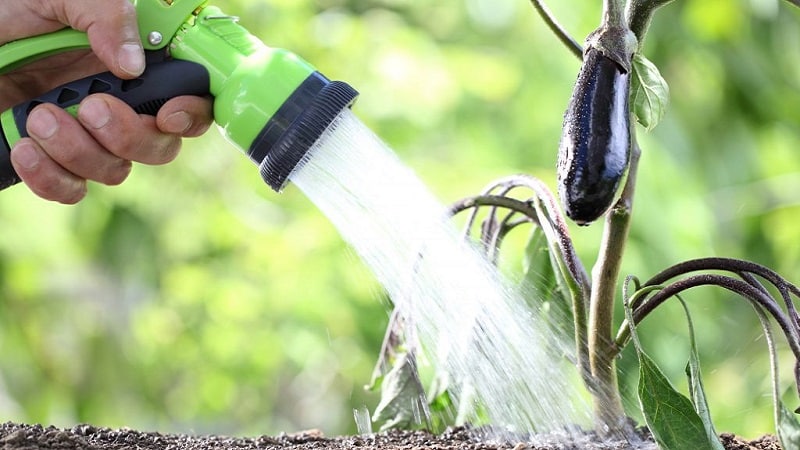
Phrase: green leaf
[439,390]
[788,427]
[669,415]
[542,283]
[649,93]
[538,273]
[672,420]
[440,403]
[402,396]
[696,389]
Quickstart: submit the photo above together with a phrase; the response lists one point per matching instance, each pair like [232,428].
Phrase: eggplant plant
[598,161]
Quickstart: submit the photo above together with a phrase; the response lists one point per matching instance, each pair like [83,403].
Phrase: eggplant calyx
[615,43]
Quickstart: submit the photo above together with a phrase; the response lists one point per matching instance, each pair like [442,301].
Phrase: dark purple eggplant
[595,142]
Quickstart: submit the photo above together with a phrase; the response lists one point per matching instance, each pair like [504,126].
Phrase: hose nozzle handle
[146,94]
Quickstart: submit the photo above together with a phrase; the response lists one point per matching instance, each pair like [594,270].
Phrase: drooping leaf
[649,93]
[786,425]
[402,402]
[696,389]
[439,391]
[669,415]
[536,256]
[542,282]
[788,428]
[440,403]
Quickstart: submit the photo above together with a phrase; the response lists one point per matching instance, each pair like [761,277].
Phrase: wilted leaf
[542,283]
[440,403]
[788,427]
[696,389]
[649,93]
[402,397]
[536,258]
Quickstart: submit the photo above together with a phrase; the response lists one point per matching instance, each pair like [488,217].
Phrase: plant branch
[494,200]
[755,295]
[574,276]
[545,211]
[639,14]
[773,360]
[494,240]
[557,29]
[570,266]
[542,209]
[740,267]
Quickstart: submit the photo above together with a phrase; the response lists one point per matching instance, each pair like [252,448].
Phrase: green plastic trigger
[163,17]
[158,20]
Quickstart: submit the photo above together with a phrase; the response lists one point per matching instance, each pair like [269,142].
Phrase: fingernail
[26,156]
[94,112]
[178,122]
[131,59]
[42,124]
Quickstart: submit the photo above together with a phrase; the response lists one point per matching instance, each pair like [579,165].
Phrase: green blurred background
[192,298]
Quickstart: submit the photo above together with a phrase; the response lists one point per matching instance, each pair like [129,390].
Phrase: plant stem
[614,13]
[639,14]
[557,29]
[610,415]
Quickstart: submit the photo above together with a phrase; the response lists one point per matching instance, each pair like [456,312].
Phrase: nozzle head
[295,128]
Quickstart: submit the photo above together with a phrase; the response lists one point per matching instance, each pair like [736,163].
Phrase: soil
[86,437]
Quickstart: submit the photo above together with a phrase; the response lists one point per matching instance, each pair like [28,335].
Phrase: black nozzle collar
[299,122]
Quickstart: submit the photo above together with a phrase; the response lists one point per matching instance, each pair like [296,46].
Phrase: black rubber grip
[146,95]
[8,176]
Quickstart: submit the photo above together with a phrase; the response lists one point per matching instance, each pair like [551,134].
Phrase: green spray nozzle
[268,102]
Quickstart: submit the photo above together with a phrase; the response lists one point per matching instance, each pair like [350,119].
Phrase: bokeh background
[194,299]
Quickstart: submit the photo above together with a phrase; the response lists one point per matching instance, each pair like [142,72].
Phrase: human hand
[63,152]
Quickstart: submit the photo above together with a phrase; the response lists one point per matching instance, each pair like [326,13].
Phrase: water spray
[268,102]
[277,108]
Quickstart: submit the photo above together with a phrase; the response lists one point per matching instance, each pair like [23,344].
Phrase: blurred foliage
[192,298]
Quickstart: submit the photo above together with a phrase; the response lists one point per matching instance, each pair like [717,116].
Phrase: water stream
[470,323]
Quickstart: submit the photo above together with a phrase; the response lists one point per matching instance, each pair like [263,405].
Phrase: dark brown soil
[86,437]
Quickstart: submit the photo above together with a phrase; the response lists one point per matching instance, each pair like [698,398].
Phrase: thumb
[111,28]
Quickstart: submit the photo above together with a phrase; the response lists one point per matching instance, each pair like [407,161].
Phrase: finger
[21,19]
[186,116]
[67,143]
[45,177]
[126,134]
[109,24]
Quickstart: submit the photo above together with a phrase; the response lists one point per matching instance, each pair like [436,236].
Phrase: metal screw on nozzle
[154,38]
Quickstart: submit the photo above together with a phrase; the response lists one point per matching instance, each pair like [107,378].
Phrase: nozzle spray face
[297,125]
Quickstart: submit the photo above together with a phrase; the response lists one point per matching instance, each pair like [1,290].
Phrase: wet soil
[86,437]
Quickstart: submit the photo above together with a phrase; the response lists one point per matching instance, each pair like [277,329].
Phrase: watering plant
[598,161]
[297,126]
